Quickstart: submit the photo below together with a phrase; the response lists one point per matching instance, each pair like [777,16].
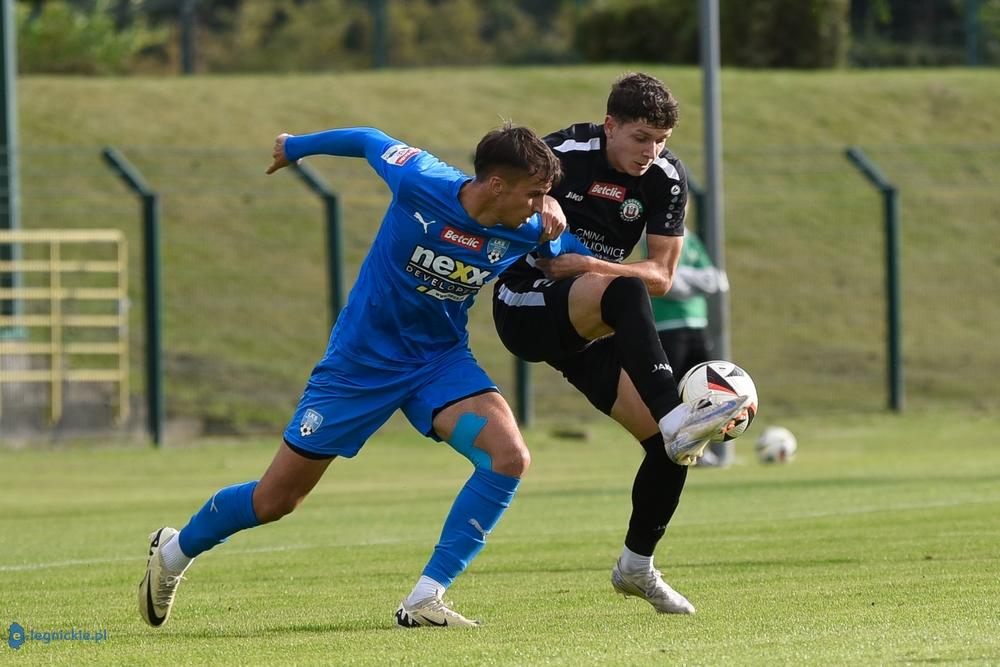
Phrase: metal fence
[245,284]
[806,259]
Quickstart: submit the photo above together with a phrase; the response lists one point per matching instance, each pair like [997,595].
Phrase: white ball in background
[776,444]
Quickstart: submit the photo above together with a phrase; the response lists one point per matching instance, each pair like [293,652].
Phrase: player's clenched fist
[553,219]
[280,160]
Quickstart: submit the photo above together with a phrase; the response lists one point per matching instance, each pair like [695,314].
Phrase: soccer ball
[776,445]
[725,378]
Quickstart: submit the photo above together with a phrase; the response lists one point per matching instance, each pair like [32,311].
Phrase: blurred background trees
[150,36]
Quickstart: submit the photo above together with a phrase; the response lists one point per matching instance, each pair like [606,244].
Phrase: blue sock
[229,511]
[477,509]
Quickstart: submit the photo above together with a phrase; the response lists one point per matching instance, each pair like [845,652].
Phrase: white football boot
[158,587]
[432,612]
[649,586]
[687,429]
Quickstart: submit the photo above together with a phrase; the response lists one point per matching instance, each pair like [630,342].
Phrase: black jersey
[605,208]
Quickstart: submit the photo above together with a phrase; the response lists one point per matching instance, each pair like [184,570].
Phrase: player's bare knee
[499,448]
[512,461]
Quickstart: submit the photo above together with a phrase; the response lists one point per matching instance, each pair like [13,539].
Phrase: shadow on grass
[723,564]
[846,482]
[285,630]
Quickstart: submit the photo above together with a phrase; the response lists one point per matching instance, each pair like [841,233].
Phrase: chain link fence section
[245,286]
[950,264]
[805,255]
[807,319]
[805,243]
[245,280]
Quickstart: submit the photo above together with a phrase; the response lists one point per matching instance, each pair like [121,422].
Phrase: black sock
[655,495]
[625,308]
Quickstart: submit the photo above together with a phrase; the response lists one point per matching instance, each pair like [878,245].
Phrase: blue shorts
[345,401]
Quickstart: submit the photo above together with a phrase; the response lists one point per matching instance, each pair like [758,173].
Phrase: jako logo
[448,267]
[607,191]
[452,235]
[15,636]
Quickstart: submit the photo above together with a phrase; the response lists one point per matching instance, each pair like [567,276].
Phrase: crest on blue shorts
[311,421]
[496,249]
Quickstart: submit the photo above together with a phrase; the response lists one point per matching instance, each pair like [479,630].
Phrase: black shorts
[532,320]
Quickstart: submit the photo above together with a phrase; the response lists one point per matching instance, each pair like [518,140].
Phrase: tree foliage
[763,33]
[646,31]
[63,38]
[785,33]
[127,36]
[908,32]
[283,35]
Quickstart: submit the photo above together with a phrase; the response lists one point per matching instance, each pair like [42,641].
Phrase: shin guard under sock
[655,495]
[625,308]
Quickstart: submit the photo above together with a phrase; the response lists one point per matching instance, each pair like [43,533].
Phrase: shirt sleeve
[565,244]
[670,199]
[387,156]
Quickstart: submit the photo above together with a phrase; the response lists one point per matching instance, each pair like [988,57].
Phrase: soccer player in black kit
[590,316]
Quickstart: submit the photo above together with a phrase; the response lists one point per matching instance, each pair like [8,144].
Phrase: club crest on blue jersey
[496,249]
[311,421]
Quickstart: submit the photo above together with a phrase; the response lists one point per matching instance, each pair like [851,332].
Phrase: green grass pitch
[878,545]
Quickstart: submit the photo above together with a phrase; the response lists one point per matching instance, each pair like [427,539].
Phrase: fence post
[151,252]
[972,33]
[187,28]
[890,204]
[334,247]
[713,228]
[380,28]
[10,189]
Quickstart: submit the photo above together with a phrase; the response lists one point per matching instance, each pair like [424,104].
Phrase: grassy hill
[244,267]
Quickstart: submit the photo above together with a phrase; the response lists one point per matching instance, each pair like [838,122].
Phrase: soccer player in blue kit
[401,343]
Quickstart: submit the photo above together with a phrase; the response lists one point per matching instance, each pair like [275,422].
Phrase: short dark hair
[641,97]
[519,149]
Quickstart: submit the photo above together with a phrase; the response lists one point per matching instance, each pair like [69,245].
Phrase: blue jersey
[429,259]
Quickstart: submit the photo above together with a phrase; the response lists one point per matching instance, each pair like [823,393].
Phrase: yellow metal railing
[72,293]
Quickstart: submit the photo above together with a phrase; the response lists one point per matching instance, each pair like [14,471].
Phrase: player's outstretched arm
[390,158]
[575,257]
[344,142]
[657,272]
